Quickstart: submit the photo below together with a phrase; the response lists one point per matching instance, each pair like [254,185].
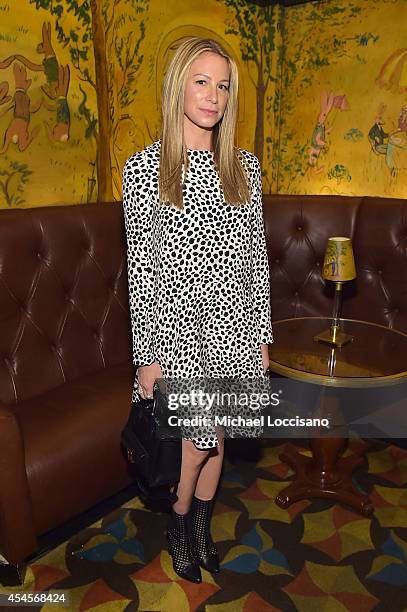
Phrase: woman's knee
[192,453]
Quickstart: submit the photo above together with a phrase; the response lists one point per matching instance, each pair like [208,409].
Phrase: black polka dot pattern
[198,278]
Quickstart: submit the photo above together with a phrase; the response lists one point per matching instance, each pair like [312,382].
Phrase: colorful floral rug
[316,555]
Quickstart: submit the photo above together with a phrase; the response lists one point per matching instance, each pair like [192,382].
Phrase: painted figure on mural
[377,136]
[393,77]
[60,131]
[49,65]
[318,138]
[56,88]
[18,129]
[392,145]
[396,157]
[328,102]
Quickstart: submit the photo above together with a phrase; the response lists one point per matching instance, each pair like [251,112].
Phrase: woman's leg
[178,532]
[202,505]
[209,475]
[191,465]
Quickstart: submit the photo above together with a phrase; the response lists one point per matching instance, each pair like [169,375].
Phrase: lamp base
[334,337]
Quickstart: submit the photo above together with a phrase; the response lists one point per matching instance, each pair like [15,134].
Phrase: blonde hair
[173,155]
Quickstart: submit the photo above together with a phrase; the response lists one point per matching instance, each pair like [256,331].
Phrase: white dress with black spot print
[198,279]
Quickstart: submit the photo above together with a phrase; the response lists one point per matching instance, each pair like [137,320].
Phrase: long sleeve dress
[198,278]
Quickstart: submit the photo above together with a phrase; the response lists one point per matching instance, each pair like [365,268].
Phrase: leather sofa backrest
[63,296]
[297,229]
[63,280]
[380,242]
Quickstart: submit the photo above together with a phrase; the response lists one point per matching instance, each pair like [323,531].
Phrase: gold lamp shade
[339,264]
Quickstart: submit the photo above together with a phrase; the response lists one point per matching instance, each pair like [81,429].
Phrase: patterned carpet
[314,556]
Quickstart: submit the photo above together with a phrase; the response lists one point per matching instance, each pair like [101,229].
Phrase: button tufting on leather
[299,228]
[276,261]
[380,271]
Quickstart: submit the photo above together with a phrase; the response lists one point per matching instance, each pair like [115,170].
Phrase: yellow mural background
[60,171]
[352,72]
[336,46]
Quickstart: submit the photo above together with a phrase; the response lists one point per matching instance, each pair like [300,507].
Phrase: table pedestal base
[311,481]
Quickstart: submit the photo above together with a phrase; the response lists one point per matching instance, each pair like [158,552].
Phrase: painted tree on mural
[255,27]
[96,30]
[124,31]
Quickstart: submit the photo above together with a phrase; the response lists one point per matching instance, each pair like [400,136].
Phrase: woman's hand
[265,356]
[146,376]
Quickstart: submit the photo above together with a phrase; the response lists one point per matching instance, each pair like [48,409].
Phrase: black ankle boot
[179,547]
[204,548]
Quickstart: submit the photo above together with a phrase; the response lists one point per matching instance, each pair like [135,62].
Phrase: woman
[198,270]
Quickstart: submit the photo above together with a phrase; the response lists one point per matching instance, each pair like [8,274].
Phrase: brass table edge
[338,381]
[396,331]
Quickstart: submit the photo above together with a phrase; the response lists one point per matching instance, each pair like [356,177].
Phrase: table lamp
[339,266]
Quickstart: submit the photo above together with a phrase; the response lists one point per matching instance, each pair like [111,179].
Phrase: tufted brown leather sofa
[65,341]
[65,367]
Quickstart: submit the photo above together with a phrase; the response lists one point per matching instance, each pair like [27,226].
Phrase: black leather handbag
[153,450]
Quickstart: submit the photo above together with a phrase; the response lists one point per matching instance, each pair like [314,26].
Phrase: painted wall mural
[63,124]
[323,95]
[344,99]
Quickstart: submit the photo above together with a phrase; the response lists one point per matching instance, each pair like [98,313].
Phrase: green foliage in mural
[353,135]
[12,182]
[256,28]
[125,33]
[86,113]
[270,145]
[296,166]
[322,51]
[340,173]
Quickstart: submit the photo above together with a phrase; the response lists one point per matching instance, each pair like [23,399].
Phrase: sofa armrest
[17,530]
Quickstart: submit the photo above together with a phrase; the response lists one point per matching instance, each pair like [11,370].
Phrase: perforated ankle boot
[204,549]
[179,547]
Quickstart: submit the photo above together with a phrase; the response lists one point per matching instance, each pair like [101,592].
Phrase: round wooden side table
[376,357]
